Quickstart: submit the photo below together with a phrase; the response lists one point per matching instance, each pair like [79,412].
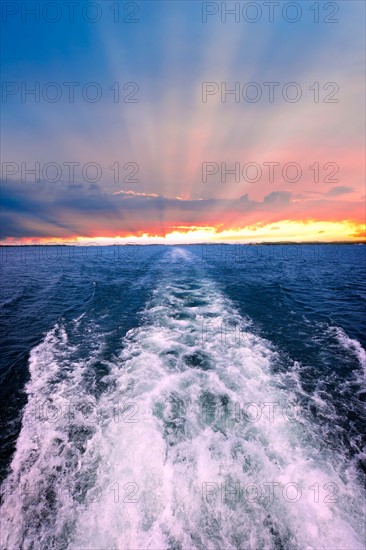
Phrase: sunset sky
[168,139]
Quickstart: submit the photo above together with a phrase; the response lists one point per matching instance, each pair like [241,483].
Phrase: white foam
[176,375]
[352,345]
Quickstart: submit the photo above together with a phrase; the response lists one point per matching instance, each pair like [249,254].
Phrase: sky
[182,121]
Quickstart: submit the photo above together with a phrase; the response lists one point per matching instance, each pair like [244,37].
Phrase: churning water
[184,400]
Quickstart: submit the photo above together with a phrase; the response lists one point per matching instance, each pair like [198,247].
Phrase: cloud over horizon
[64,211]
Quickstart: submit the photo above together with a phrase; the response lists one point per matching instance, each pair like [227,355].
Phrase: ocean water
[188,397]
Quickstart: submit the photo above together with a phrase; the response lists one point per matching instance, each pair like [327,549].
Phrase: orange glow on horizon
[284,231]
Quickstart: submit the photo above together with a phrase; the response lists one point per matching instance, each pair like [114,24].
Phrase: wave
[351,344]
[195,442]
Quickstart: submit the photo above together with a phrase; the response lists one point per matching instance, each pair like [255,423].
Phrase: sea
[207,396]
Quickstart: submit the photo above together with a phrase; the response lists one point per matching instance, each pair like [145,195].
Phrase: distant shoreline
[277,243]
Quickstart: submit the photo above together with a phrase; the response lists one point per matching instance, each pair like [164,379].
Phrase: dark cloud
[55,210]
[340,190]
[72,186]
[277,197]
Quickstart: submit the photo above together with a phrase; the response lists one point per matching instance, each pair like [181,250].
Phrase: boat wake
[187,439]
